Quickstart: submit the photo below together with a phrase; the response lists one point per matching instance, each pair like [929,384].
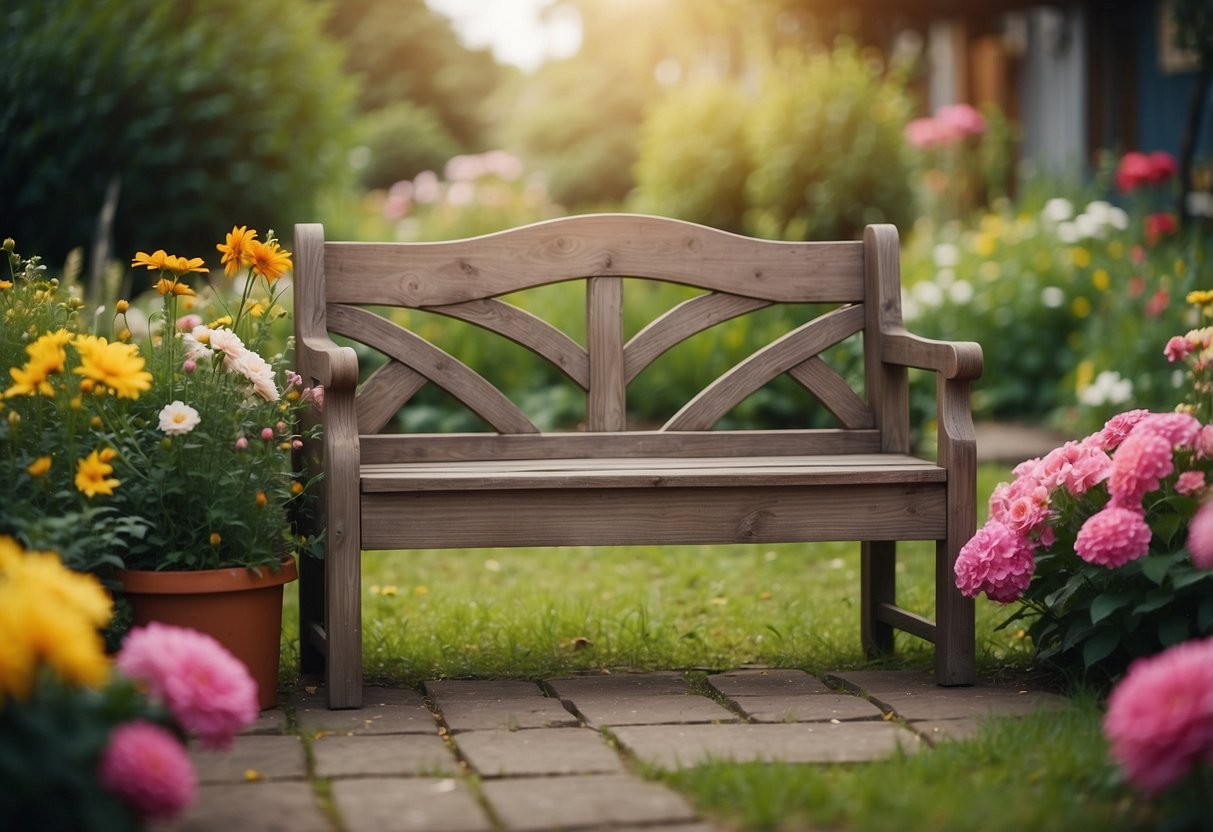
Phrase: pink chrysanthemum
[1117,428]
[1190,482]
[997,561]
[1200,537]
[148,768]
[1203,443]
[1179,429]
[207,690]
[1141,461]
[1113,537]
[1160,717]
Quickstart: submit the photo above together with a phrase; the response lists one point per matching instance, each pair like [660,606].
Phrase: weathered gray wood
[384,393]
[643,516]
[683,321]
[606,408]
[527,330]
[485,446]
[833,392]
[682,484]
[728,391]
[452,375]
[604,245]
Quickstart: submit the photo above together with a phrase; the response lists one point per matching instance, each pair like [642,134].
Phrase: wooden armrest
[334,366]
[952,359]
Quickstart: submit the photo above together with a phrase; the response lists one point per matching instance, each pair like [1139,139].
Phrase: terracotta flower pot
[242,611]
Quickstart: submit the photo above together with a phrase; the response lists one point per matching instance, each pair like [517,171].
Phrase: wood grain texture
[728,391]
[446,371]
[606,406]
[384,393]
[527,330]
[623,517]
[343,553]
[741,443]
[887,384]
[833,392]
[603,245]
[683,321]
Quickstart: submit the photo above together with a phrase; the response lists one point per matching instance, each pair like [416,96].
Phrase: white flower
[1088,225]
[226,342]
[961,292]
[927,294]
[257,370]
[1057,209]
[195,344]
[1067,232]
[178,418]
[1052,297]
[946,255]
[1108,388]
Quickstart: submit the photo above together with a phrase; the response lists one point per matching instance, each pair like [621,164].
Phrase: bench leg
[311,614]
[343,628]
[878,585]
[955,660]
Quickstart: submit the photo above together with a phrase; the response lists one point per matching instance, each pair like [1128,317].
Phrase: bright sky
[513,29]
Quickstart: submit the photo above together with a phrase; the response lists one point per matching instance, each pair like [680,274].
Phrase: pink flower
[189,365]
[1200,537]
[267,434]
[997,561]
[1162,166]
[1177,348]
[1113,537]
[1140,463]
[293,379]
[924,133]
[1075,466]
[1203,443]
[1137,169]
[1190,482]
[186,323]
[315,395]
[1160,717]
[1179,429]
[241,443]
[961,119]
[207,690]
[148,768]
[1117,428]
[1158,225]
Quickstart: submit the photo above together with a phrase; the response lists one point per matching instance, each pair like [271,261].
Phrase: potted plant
[160,456]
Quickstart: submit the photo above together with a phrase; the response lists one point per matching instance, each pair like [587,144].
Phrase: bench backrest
[336,282]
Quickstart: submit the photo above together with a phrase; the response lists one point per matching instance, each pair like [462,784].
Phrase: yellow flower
[75,591]
[215,539]
[261,498]
[46,356]
[93,476]
[116,365]
[154,261]
[1080,256]
[1081,307]
[1100,280]
[166,286]
[224,320]
[267,259]
[182,265]
[985,244]
[39,466]
[122,306]
[238,240]
[5,285]
[1116,249]
[1200,297]
[296,487]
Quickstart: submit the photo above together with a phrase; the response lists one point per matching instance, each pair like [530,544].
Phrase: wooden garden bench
[607,485]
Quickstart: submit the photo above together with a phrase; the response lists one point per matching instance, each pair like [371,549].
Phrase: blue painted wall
[1163,99]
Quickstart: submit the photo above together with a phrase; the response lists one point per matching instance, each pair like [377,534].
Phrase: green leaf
[1204,616]
[1173,630]
[1166,525]
[1155,599]
[1105,605]
[1189,576]
[1100,646]
[1155,567]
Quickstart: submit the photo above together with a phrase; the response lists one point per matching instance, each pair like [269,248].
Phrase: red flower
[1160,225]
[1137,169]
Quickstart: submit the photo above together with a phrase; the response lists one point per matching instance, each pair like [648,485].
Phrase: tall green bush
[401,141]
[826,141]
[172,103]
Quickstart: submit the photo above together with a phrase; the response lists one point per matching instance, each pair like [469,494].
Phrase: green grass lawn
[538,613]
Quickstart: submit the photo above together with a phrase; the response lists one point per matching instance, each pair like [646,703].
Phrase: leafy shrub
[173,102]
[825,141]
[401,141]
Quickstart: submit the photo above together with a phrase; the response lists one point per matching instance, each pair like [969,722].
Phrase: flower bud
[9,244]
[215,539]
[190,365]
[267,434]
[122,306]
[280,427]
[241,443]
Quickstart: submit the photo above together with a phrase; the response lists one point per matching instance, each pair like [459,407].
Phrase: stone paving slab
[383,755]
[265,807]
[422,804]
[944,730]
[683,746]
[384,711]
[817,707]
[271,721]
[913,699]
[476,706]
[255,757]
[541,751]
[638,699]
[773,682]
[584,802]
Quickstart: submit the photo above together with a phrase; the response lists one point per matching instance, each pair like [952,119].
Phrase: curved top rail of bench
[421,275]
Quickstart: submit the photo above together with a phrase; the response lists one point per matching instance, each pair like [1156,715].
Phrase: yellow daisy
[116,365]
[181,265]
[167,286]
[154,261]
[39,466]
[239,240]
[267,259]
[93,476]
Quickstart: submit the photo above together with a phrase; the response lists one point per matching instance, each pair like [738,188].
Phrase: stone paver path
[467,756]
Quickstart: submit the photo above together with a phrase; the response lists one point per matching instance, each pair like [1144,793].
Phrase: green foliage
[825,140]
[401,141]
[692,163]
[197,111]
